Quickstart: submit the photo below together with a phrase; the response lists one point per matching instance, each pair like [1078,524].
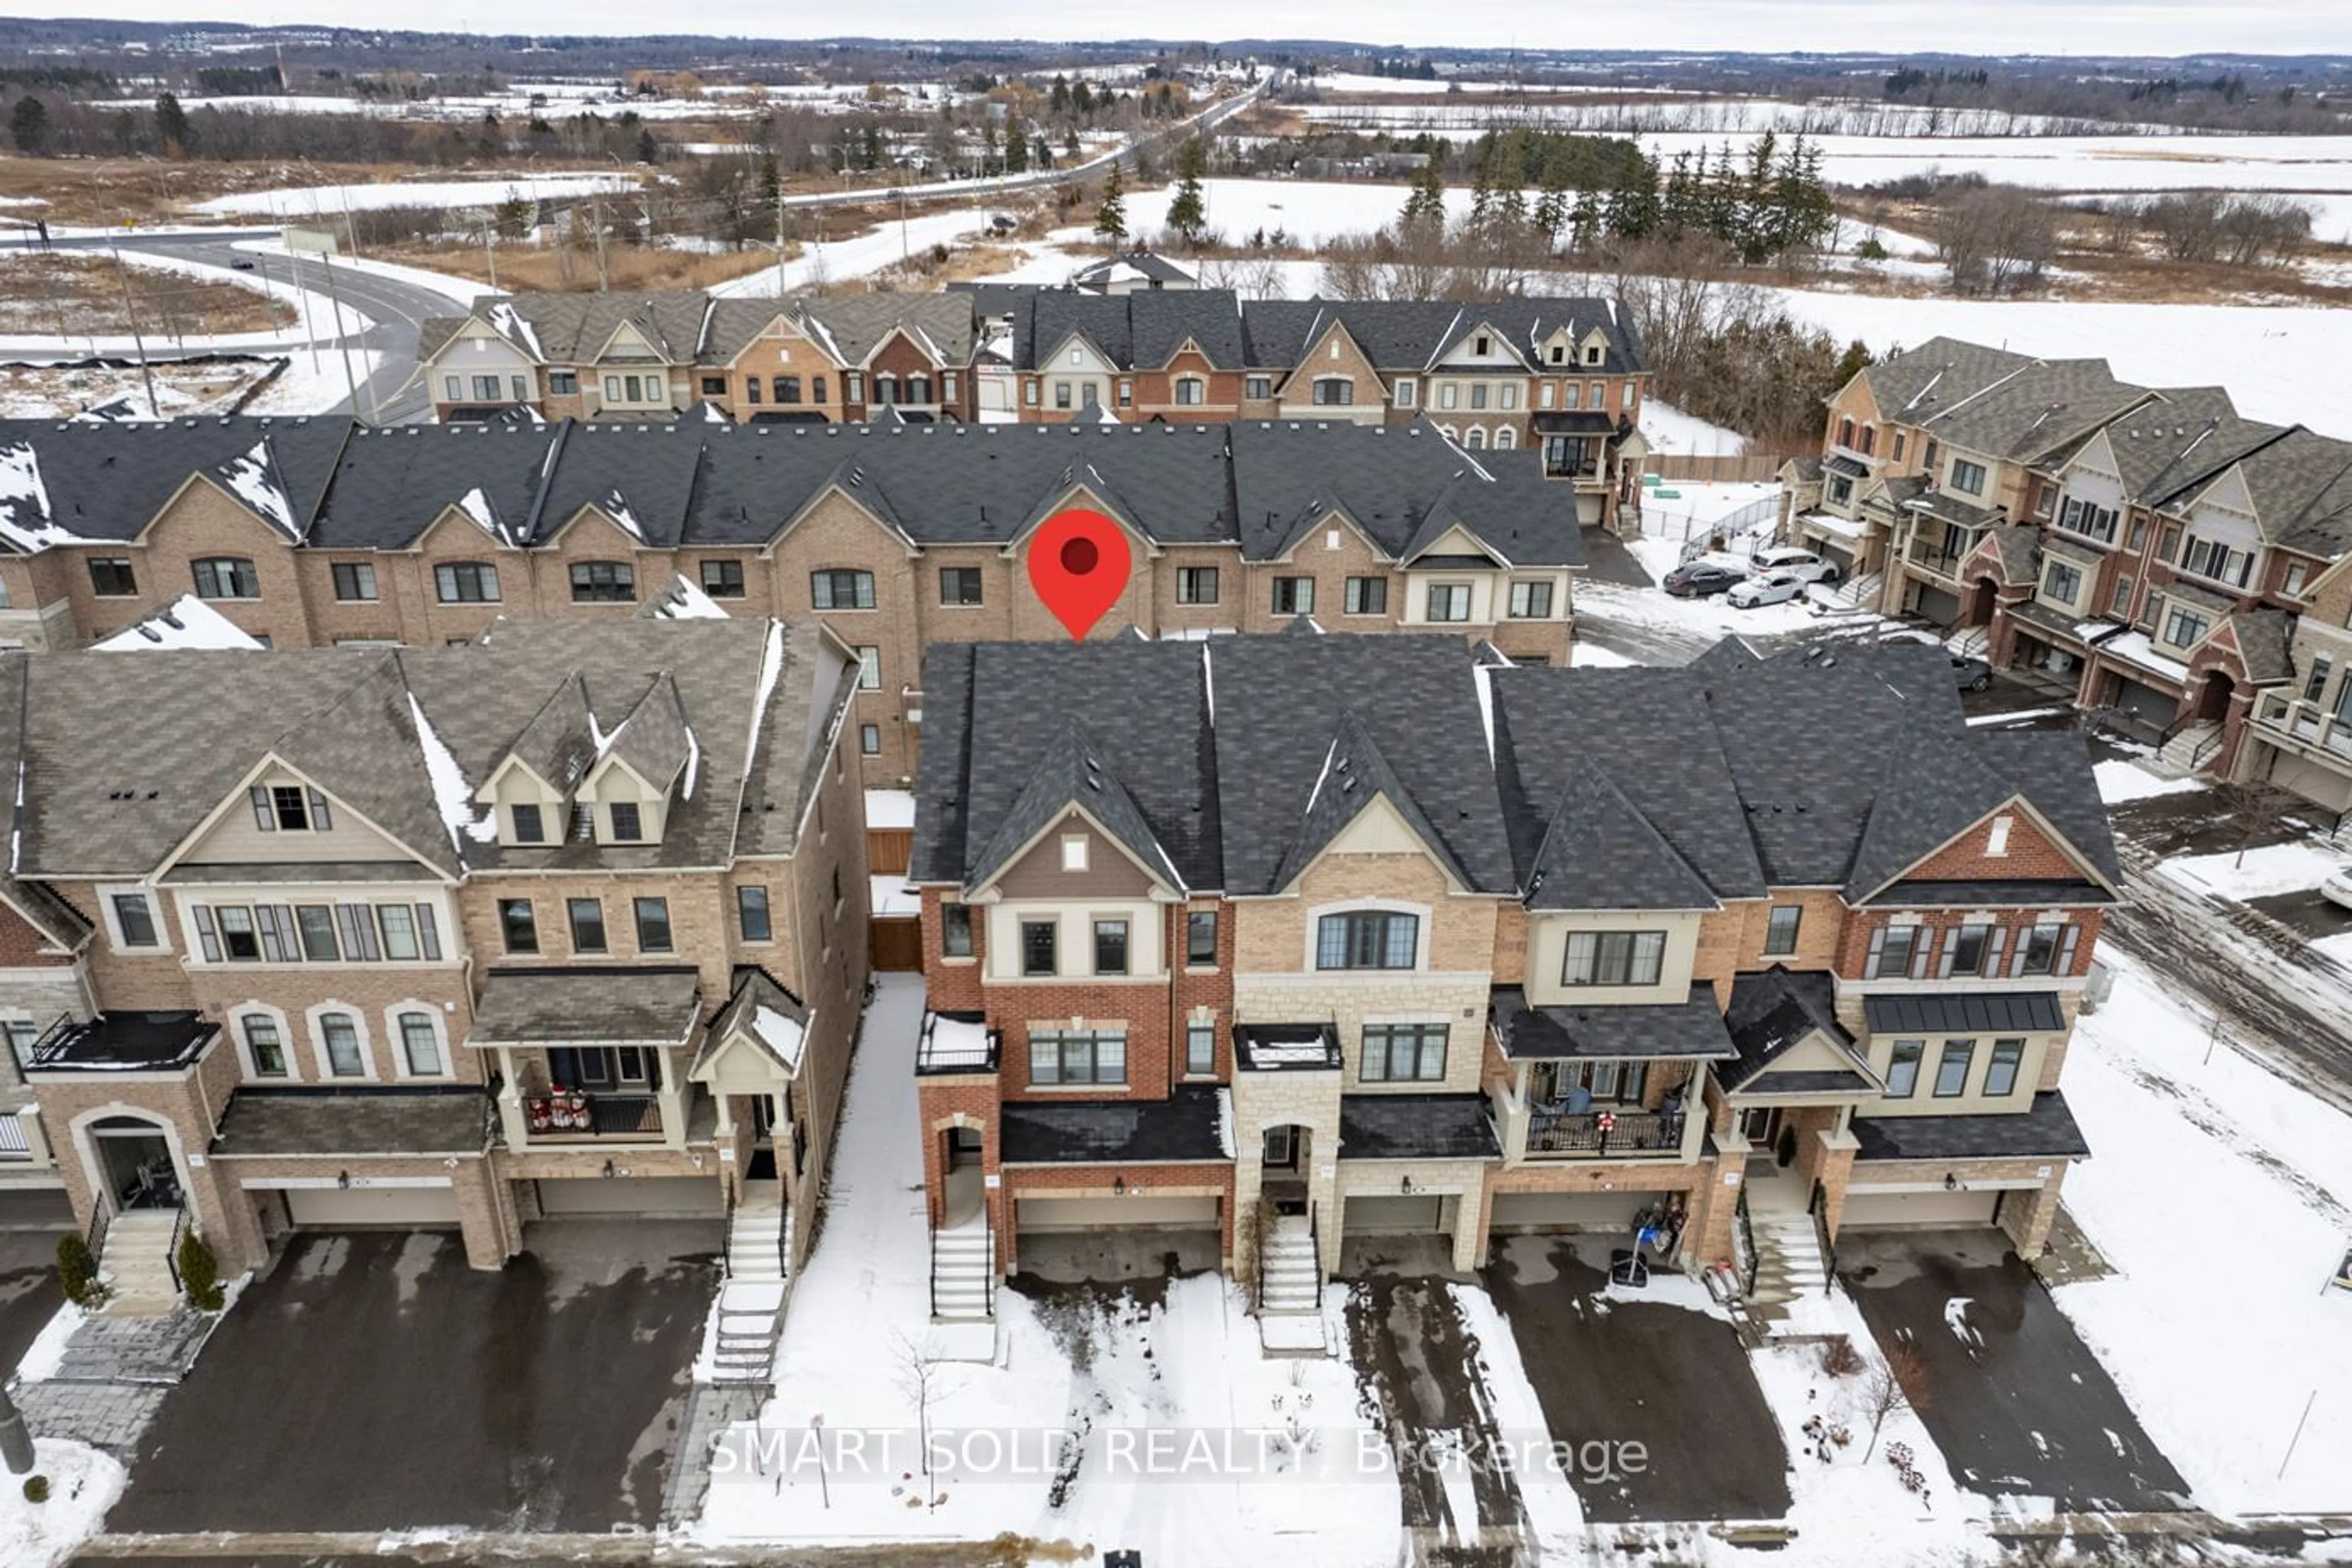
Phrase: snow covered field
[2222,1196]
[1668,429]
[315,201]
[83,1484]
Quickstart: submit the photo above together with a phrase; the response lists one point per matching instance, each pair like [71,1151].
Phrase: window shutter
[2017,958]
[1878,950]
[1994,944]
[1923,942]
[206,935]
[322,819]
[428,934]
[2066,949]
[263,816]
[359,932]
[273,944]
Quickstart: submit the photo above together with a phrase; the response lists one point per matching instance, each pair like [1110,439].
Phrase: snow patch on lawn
[2222,1196]
[2123,780]
[1668,429]
[889,808]
[83,1484]
[2257,873]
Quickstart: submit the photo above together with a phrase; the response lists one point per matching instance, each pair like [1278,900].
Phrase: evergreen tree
[172,126]
[1424,206]
[648,150]
[29,123]
[1060,99]
[1082,98]
[1186,214]
[1679,209]
[1584,221]
[1635,206]
[1110,216]
[1551,213]
[1016,145]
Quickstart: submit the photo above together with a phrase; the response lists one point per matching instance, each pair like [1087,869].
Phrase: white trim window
[338,1035]
[1062,1057]
[261,1041]
[133,922]
[1403,1053]
[423,1046]
[1613,958]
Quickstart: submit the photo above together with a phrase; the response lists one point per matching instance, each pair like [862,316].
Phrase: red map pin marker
[1079,561]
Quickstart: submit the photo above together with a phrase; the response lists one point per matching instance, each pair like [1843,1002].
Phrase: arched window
[1506,438]
[1478,437]
[420,1044]
[918,389]
[339,1043]
[265,1044]
[1190,391]
[886,390]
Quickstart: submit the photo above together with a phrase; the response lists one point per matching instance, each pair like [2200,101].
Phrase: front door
[1759,1124]
[136,1161]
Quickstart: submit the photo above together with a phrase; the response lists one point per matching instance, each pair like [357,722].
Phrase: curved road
[393,394]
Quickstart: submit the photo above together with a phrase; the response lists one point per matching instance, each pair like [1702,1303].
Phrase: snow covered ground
[83,1484]
[317,201]
[2259,872]
[2123,780]
[1668,429]
[2222,1196]
[831,261]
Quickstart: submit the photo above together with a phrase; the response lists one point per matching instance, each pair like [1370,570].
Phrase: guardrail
[171,1250]
[1745,1235]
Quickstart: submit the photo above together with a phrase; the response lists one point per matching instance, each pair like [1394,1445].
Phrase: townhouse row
[309,532]
[1564,376]
[1284,942]
[571,921]
[2149,554]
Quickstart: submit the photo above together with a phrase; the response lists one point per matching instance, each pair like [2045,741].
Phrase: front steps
[2193,747]
[1788,1263]
[749,1319]
[1290,1290]
[136,1264]
[963,1274]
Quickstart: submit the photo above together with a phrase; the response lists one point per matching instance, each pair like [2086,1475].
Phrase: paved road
[29,1296]
[393,394]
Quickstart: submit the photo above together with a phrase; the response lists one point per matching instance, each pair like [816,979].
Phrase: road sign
[317,241]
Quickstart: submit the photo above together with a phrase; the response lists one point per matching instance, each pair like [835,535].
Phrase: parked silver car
[1770,588]
[1811,567]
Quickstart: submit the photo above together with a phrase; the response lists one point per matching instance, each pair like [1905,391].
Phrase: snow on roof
[187,622]
[683,601]
[25,519]
[953,1042]
[890,896]
[780,1034]
[452,796]
[249,478]
[816,329]
[616,506]
[476,507]
[889,808]
[693,763]
[510,324]
[1226,1121]
[772,665]
[1486,707]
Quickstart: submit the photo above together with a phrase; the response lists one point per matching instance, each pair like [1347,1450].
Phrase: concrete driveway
[29,1296]
[1620,1371]
[373,1381]
[2016,1400]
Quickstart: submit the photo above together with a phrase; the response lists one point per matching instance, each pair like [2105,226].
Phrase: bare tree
[919,1375]
[1995,240]
[1898,1383]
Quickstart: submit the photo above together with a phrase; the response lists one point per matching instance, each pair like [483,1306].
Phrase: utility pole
[15,1443]
[780,245]
[294,268]
[596,211]
[130,314]
[490,249]
[342,337]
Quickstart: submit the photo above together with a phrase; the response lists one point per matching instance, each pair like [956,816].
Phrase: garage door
[1938,606]
[586,1196]
[1387,1215]
[335,1208]
[1865,1209]
[2313,781]
[2146,703]
[1568,1211]
[1036,1215]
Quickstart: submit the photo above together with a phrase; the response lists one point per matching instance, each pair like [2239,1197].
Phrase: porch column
[510,1116]
[672,1094]
[1695,1119]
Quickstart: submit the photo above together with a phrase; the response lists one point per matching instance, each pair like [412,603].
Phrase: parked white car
[1771,588]
[2337,888]
[1809,566]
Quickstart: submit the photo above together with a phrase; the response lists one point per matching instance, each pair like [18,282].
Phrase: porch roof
[1963,1013]
[1577,422]
[1416,1127]
[566,1006]
[1933,895]
[1691,1028]
[2046,1130]
[1192,1125]
[1851,468]
[1945,507]
[436,1120]
[123,1042]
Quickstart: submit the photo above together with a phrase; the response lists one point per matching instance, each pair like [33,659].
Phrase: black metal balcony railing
[574,1114]
[1602,1133]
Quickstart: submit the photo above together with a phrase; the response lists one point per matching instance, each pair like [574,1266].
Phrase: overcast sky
[1984,26]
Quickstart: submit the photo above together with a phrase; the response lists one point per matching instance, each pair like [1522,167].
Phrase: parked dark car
[1697,579]
[1973,674]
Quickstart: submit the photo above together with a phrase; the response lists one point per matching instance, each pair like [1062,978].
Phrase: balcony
[576,1117]
[1604,1134]
[956,1043]
[1933,556]
[2306,727]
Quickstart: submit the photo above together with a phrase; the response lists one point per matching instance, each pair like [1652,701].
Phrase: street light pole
[130,314]
[15,1443]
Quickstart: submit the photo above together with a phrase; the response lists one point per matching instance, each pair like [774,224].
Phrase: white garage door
[1568,1211]
[1388,1216]
[1039,1214]
[1865,1209]
[338,1208]
[585,1196]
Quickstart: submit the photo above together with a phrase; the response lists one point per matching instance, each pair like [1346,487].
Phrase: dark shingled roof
[1692,1027]
[1416,1127]
[615,1006]
[438,1120]
[1188,1125]
[1963,1013]
[2045,1132]
[1772,1012]
[124,1041]
[1927,895]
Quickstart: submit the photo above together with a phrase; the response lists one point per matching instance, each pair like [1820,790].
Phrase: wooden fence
[1732,470]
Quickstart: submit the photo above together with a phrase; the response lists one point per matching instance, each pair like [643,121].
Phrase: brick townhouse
[2151,553]
[309,532]
[568,922]
[657,355]
[1283,941]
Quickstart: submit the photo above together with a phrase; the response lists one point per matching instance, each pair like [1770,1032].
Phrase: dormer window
[1483,347]
[1592,353]
[1559,353]
[290,808]
[628,825]
[530,825]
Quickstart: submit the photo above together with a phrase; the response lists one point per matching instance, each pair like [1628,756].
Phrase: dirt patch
[119,191]
[67,296]
[118,391]
[572,268]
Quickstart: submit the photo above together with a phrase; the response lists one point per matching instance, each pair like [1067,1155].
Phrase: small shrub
[200,1273]
[1871,250]
[78,1272]
[1839,1359]
[37,1489]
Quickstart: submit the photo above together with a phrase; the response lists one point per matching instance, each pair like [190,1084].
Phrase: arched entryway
[963,1187]
[2213,699]
[132,1163]
[1284,1160]
[1981,601]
